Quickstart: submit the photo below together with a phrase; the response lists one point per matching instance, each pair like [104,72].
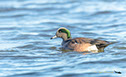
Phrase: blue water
[27,25]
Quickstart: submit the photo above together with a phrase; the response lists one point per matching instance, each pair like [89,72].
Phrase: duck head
[62,33]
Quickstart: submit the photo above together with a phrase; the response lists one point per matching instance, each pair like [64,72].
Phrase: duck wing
[84,42]
[99,43]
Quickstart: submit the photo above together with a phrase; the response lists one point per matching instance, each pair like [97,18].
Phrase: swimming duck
[79,44]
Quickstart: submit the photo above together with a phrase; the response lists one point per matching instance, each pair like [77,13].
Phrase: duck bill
[53,37]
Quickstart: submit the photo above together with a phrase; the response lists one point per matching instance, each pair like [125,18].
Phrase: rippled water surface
[27,25]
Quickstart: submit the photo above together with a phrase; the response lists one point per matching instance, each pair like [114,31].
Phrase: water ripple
[27,25]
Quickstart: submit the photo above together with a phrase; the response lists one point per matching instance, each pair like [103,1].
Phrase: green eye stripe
[65,31]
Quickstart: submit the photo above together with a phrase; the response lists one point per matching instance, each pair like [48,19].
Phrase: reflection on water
[27,25]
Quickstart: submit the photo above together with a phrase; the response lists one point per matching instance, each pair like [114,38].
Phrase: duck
[79,44]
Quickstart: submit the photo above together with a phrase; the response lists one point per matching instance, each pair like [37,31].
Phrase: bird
[79,44]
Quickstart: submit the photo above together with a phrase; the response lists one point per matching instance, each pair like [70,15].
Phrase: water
[27,25]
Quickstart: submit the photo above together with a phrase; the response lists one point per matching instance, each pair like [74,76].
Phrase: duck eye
[60,31]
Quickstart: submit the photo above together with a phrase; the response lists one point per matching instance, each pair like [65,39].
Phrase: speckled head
[62,33]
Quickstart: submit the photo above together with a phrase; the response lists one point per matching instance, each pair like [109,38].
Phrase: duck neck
[64,37]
